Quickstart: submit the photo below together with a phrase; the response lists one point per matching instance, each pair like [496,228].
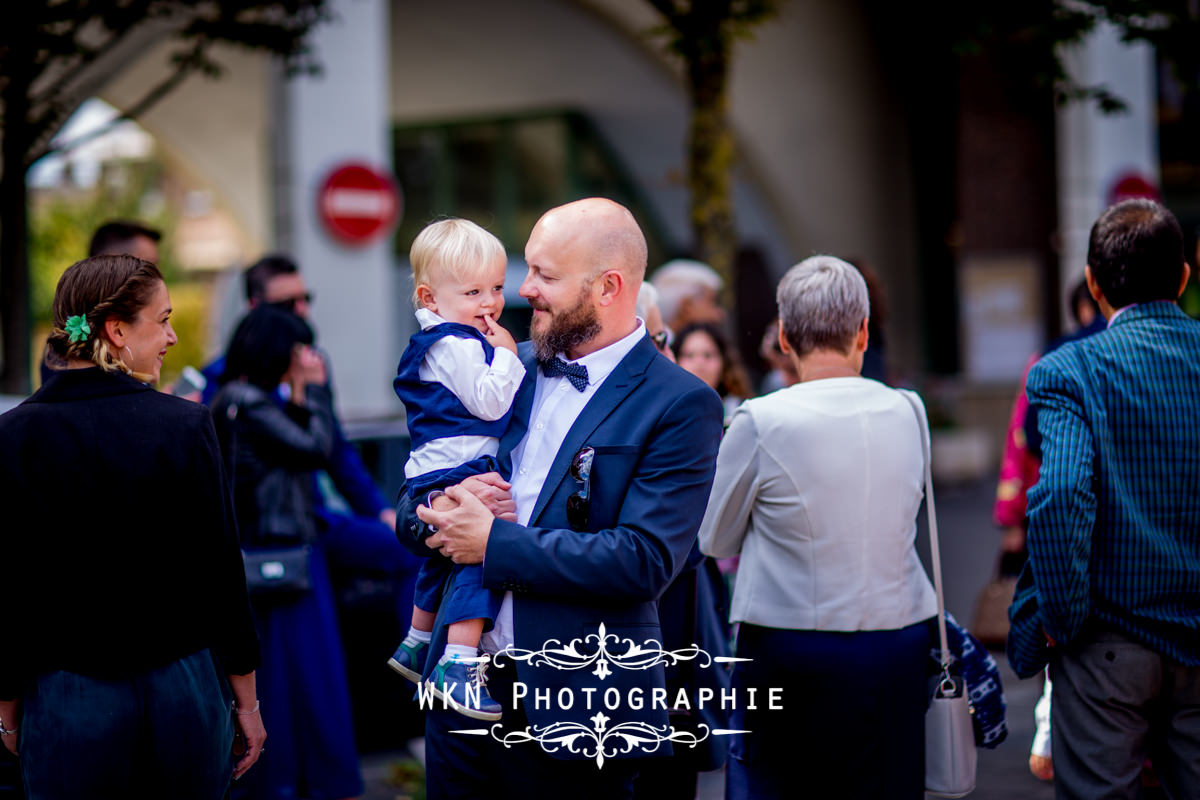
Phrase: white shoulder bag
[949,738]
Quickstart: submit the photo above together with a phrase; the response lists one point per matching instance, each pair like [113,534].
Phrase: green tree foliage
[1035,34]
[54,54]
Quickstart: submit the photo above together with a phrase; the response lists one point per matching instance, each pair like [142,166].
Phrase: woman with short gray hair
[817,489]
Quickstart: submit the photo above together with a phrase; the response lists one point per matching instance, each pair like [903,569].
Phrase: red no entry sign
[1130,185]
[358,204]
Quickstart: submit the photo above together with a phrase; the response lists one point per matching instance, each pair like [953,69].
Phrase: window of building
[504,173]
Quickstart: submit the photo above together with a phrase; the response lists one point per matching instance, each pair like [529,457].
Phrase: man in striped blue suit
[1110,597]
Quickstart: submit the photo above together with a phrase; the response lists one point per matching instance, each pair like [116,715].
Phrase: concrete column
[343,115]
[1095,149]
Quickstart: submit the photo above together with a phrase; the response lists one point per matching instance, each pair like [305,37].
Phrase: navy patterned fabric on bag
[979,671]
[984,690]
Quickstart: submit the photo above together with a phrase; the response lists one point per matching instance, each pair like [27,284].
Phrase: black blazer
[119,547]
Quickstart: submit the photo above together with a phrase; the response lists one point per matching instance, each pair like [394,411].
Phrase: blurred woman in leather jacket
[273,447]
[274,418]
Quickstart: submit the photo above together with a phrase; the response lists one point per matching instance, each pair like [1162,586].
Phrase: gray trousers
[1115,703]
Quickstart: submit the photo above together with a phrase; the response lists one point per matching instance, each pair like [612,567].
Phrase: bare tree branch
[185,65]
[85,57]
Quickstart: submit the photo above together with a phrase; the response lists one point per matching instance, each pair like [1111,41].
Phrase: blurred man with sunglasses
[362,539]
[612,451]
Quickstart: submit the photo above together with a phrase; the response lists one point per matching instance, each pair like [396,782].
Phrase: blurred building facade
[965,190]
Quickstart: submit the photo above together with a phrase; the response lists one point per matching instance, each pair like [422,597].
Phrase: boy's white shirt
[487,391]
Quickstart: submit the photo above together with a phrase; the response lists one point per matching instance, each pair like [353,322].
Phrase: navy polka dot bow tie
[575,373]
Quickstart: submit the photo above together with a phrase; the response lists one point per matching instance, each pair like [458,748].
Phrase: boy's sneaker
[409,659]
[462,685]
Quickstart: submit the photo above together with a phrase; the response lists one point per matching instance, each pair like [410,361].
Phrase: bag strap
[231,414]
[935,556]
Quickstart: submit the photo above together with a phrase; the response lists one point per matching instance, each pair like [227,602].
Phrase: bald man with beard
[611,453]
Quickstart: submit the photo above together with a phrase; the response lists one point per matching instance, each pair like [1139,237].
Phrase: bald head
[602,232]
[586,261]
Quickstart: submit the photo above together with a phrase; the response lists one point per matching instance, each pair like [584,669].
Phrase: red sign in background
[358,204]
[1129,185]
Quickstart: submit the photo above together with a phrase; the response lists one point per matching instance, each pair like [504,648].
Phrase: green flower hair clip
[77,328]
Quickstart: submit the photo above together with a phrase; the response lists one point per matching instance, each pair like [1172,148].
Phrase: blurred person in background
[703,350]
[783,372]
[271,451]
[688,291]
[875,359]
[357,522]
[275,280]
[125,237]
[130,655]
[818,487]
[656,329]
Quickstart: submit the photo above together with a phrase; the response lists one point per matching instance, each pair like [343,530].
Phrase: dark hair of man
[259,274]
[260,350]
[114,237]
[1135,253]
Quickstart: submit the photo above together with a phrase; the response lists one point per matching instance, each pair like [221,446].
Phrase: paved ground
[969,550]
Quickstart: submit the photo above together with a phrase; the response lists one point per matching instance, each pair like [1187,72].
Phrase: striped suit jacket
[1114,519]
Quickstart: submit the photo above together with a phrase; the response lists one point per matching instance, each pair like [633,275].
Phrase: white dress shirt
[487,391]
[818,487]
[556,406]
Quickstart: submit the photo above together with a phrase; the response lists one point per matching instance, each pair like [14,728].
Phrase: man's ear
[114,332]
[1106,309]
[1183,279]
[1093,287]
[610,283]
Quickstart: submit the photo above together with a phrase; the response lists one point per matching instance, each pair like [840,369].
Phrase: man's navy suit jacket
[655,429]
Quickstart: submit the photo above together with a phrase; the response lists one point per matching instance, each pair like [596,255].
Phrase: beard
[565,330]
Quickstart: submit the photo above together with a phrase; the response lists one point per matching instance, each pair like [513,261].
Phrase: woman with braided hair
[130,651]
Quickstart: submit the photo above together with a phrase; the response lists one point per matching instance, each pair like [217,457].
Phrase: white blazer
[817,488]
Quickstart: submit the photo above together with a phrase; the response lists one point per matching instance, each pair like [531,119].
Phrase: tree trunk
[14,232]
[710,159]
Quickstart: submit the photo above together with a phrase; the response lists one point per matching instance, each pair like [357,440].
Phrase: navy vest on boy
[433,410]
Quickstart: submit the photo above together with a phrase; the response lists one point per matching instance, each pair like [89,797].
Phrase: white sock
[419,636]
[461,650]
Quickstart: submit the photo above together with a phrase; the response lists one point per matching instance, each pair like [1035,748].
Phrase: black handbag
[278,572]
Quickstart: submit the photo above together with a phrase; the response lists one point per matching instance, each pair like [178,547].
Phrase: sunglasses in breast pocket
[579,504]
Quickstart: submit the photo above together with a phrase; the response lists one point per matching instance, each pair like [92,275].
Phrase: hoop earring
[127,350]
